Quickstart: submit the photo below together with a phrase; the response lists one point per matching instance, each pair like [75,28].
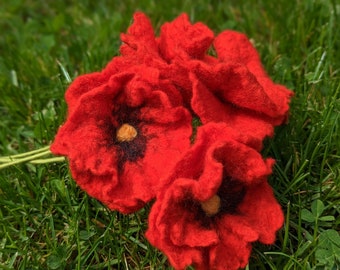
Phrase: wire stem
[26,158]
[48,160]
[21,155]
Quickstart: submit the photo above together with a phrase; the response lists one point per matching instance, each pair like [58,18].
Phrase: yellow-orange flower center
[211,206]
[126,133]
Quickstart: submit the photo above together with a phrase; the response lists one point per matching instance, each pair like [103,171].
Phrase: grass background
[47,222]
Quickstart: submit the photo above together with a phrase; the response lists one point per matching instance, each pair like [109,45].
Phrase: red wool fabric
[239,80]
[232,87]
[87,82]
[212,196]
[240,50]
[218,163]
[182,40]
[141,44]
[122,175]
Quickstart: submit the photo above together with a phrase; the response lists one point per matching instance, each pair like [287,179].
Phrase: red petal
[238,225]
[80,86]
[234,83]
[210,109]
[232,253]
[140,42]
[182,40]
[174,231]
[263,212]
[235,47]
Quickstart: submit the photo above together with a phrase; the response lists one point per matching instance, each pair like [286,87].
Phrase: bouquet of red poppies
[180,119]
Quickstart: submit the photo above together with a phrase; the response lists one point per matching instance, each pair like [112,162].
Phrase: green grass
[47,222]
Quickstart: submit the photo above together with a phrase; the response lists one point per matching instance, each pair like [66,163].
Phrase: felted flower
[238,85]
[235,47]
[179,39]
[232,87]
[122,135]
[216,203]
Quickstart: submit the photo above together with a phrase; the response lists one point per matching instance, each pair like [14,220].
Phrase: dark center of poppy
[128,137]
[225,201]
[232,193]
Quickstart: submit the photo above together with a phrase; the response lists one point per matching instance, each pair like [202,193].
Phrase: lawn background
[47,222]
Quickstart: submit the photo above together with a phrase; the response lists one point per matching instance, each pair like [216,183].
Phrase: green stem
[29,158]
[18,156]
[48,160]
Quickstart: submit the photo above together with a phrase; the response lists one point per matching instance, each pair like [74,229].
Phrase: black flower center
[225,201]
[128,138]
[231,193]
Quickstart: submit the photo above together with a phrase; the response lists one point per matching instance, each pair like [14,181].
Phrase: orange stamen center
[211,206]
[126,133]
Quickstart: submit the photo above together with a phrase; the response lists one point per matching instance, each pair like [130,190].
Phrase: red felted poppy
[179,39]
[215,203]
[140,45]
[210,108]
[229,92]
[182,40]
[85,83]
[123,136]
[232,87]
[233,46]
[240,79]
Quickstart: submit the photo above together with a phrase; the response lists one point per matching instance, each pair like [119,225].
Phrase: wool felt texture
[232,87]
[87,82]
[241,50]
[129,139]
[217,164]
[122,175]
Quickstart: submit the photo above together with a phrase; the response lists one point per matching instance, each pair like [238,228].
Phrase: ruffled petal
[180,39]
[258,218]
[140,41]
[209,108]
[174,230]
[80,86]
[262,212]
[231,253]
[235,84]
[235,47]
